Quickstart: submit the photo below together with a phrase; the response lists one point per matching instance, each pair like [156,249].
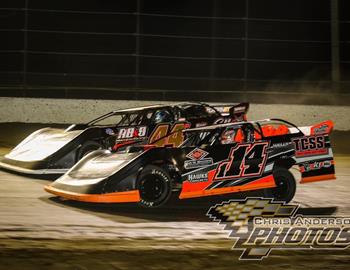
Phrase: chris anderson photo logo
[259,225]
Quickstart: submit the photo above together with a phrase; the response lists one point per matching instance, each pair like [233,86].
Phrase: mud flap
[314,171]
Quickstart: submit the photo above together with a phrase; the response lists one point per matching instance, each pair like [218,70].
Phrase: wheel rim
[282,189]
[152,188]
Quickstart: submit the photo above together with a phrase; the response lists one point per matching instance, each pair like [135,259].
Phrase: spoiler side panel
[236,111]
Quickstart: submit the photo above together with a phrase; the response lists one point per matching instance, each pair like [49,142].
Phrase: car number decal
[244,160]
[175,138]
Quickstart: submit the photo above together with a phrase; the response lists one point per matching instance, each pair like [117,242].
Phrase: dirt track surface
[37,230]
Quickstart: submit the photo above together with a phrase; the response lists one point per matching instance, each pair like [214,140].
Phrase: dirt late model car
[52,150]
[213,160]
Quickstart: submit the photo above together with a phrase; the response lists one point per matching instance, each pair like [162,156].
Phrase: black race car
[52,150]
[213,160]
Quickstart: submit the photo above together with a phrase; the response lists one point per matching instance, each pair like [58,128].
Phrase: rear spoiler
[237,111]
[324,127]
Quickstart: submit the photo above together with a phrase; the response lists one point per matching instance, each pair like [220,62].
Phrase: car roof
[161,106]
[211,127]
[137,109]
[262,121]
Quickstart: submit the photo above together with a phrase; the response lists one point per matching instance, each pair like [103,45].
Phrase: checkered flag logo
[237,216]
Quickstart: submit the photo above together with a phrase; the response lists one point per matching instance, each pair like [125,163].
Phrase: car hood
[98,165]
[41,144]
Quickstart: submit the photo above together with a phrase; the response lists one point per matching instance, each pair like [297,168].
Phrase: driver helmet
[228,136]
[161,117]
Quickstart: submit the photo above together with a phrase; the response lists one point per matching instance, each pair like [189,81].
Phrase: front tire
[155,186]
[285,186]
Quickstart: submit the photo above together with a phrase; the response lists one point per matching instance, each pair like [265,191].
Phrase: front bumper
[115,197]
[31,171]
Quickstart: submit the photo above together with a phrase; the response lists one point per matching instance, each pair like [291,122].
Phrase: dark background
[183,49]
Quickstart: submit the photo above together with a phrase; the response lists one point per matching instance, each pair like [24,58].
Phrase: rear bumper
[31,171]
[115,197]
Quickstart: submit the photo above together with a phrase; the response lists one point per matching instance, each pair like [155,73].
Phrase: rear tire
[285,186]
[87,148]
[155,186]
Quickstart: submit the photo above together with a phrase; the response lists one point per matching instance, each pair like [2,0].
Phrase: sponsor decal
[223,120]
[197,154]
[110,131]
[131,132]
[279,145]
[259,225]
[321,129]
[201,124]
[226,109]
[197,159]
[198,177]
[310,146]
[239,109]
[306,167]
[211,110]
